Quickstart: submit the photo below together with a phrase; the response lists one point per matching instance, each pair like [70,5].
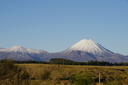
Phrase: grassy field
[48,74]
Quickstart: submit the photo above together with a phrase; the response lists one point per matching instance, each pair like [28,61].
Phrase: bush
[82,80]
[11,74]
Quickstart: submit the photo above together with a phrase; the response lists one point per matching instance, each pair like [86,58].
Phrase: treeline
[91,62]
[62,61]
[27,61]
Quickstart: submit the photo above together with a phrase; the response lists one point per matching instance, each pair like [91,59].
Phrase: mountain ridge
[21,53]
[82,51]
[21,50]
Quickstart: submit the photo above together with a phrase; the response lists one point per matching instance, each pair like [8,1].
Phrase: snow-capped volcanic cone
[87,49]
[90,46]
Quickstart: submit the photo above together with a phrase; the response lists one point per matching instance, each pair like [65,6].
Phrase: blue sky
[55,25]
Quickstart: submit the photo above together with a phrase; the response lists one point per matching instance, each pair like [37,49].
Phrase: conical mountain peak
[88,45]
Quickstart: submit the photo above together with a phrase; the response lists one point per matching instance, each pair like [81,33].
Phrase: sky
[55,25]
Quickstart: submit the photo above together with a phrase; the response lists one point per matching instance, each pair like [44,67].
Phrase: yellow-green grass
[62,74]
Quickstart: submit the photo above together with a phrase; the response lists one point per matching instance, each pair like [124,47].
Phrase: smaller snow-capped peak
[22,50]
[88,45]
[16,49]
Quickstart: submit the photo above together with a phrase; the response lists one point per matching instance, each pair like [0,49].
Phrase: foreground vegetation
[56,74]
[11,74]
[41,74]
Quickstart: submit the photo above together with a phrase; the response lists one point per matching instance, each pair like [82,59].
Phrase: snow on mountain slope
[21,50]
[89,46]
[31,51]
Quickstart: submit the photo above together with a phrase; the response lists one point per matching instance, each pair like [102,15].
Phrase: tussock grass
[48,74]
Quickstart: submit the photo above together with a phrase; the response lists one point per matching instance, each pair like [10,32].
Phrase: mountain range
[82,51]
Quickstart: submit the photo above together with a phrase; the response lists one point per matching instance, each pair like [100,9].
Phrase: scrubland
[52,74]
[55,74]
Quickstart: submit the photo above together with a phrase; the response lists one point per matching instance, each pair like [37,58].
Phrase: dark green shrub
[83,80]
[11,74]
